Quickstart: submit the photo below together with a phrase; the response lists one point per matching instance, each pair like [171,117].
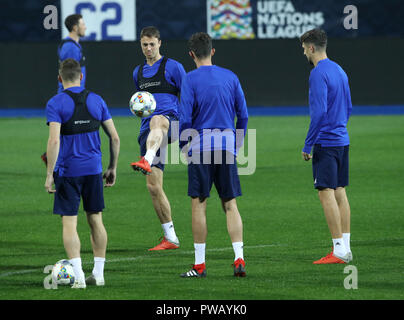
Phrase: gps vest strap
[81,121]
[158,83]
[83,58]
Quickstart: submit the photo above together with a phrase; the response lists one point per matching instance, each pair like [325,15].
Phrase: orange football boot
[239,268]
[329,259]
[142,165]
[166,245]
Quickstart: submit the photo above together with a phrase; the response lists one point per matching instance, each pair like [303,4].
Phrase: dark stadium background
[272,72]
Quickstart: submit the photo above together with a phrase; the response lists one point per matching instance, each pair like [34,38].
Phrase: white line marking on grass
[6,274]
[148,256]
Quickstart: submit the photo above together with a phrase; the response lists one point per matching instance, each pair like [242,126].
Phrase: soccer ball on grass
[63,273]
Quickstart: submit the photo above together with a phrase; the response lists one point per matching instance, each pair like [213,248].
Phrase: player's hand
[110,177]
[49,184]
[306,156]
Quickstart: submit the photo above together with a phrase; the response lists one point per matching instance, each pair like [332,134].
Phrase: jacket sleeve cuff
[307,149]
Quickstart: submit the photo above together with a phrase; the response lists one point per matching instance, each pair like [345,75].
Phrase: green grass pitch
[284,226]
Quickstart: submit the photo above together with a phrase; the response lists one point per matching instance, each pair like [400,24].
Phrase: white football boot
[79,285]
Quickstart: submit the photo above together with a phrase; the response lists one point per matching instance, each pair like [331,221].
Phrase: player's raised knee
[159,122]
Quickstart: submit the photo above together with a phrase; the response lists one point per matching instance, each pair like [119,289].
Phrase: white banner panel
[105,19]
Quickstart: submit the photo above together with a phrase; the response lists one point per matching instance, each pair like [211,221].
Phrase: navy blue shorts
[330,167]
[143,138]
[69,191]
[225,177]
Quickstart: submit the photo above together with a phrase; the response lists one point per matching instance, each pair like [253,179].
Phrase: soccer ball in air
[142,104]
[62,272]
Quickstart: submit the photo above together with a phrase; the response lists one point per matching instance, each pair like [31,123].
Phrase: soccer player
[71,48]
[211,97]
[74,166]
[330,108]
[162,77]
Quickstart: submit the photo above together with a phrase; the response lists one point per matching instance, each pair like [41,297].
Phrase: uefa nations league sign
[248,19]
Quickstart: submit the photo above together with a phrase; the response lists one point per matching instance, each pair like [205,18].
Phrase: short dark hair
[150,32]
[70,70]
[317,37]
[72,20]
[201,44]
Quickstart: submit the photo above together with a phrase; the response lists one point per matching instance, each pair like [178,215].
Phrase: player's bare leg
[159,126]
[154,183]
[200,232]
[98,235]
[199,226]
[71,238]
[331,211]
[333,217]
[71,243]
[233,218]
[99,241]
[345,212]
[344,209]
[235,230]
